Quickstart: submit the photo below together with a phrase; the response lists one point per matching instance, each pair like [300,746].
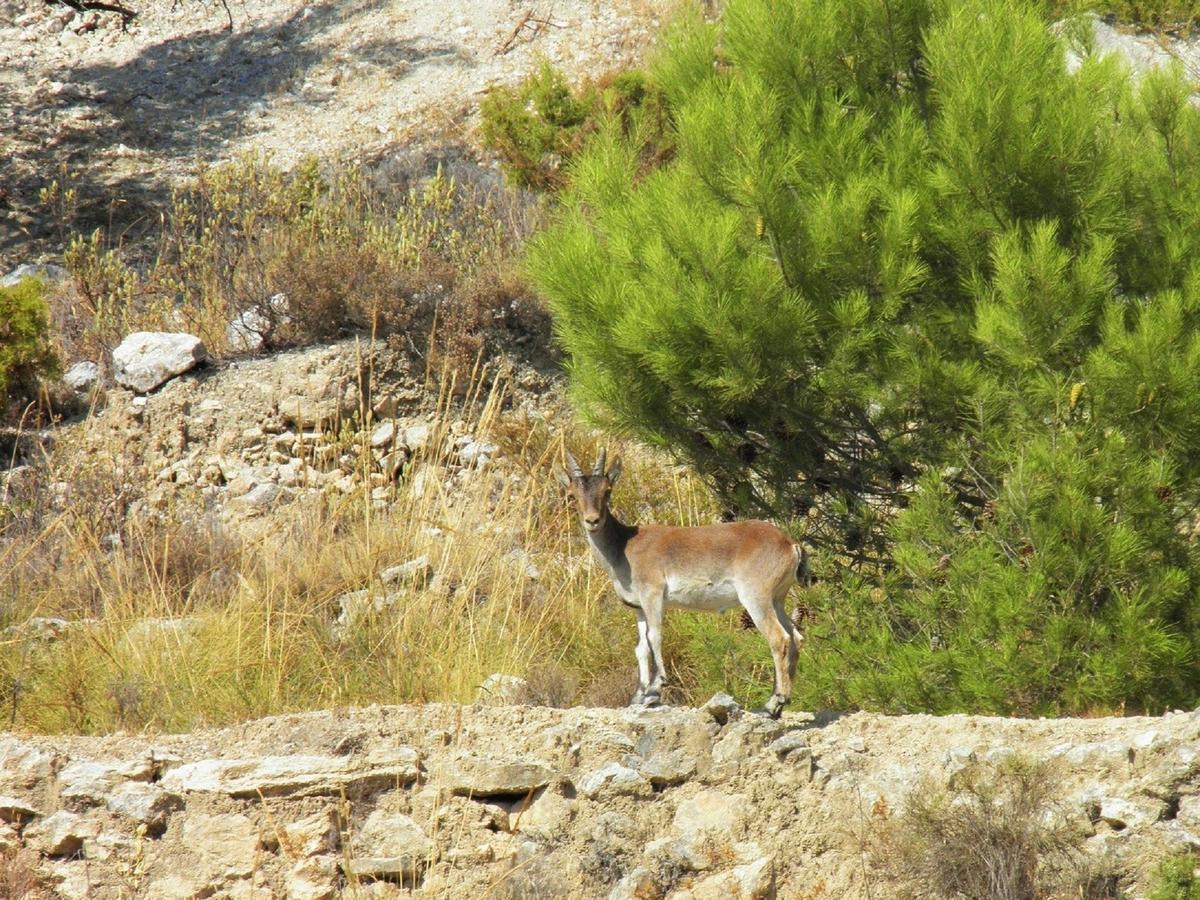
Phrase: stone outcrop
[449,801]
[147,359]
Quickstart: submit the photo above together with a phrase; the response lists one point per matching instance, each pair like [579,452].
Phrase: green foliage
[538,126]
[1176,879]
[25,353]
[910,287]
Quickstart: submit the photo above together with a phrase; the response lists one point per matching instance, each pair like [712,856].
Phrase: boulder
[711,811]
[722,708]
[248,331]
[147,359]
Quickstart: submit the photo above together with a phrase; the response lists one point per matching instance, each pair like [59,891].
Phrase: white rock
[278,775]
[146,359]
[478,776]
[88,782]
[15,810]
[145,803]
[752,881]
[311,836]
[384,435]
[722,708]
[59,834]
[711,811]
[614,779]
[477,452]
[224,845]
[44,271]
[314,878]
[82,376]
[1120,813]
[390,845]
[416,570]
[416,437]
[248,331]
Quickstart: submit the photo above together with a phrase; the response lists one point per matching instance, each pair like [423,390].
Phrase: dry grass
[178,623]
[998,831]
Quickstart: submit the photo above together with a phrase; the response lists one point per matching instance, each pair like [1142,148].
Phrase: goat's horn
[573,466]
[601,462]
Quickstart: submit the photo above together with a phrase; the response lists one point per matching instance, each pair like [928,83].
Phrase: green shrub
[1176,879]
[912,289]
[25,352]
[538,126]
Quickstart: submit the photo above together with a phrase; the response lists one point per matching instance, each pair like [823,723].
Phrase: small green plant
[25,352]
[538,126]
[1176,878]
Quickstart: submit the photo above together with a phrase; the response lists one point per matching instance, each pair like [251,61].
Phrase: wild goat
[707,567]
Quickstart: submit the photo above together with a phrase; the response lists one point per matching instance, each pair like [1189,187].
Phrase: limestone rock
[88,782]
[614,779]
[147,804]
[59,834]
[82,377]
[46,272]
[390,845]
[146,359]
[668,768]
[711,811]
[415,571]
[16,811]
[311,836]
[752,881]
[314,878]
[224,845]
[24,765]
[281,775]
[722,708]
[384,435]
[248,331]
[479,776]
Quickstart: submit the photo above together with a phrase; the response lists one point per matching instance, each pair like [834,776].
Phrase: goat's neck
[609,542]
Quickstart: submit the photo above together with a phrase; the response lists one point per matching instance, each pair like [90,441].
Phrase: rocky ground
[515,801]
[122,116]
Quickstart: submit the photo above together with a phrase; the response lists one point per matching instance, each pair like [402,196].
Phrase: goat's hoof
[773,707]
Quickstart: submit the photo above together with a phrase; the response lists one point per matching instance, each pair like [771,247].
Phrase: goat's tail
[803,575]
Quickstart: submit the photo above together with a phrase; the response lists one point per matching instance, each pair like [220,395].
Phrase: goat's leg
[644,661]
[654,617]
[765,614]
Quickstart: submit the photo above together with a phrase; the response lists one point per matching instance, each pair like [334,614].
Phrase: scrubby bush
[913,289]
[312,254]
[25,352]
[997,831]
[539,125]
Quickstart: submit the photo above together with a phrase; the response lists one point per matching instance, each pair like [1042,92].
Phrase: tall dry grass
[174,621]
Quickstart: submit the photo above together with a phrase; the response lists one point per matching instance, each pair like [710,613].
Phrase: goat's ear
[563,478]
[614,471]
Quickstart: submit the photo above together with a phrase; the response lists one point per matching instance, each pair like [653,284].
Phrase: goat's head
[591,492]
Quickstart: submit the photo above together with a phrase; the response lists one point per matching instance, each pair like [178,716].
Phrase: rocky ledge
[444,800]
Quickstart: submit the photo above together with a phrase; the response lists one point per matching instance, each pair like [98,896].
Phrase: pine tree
[914,289]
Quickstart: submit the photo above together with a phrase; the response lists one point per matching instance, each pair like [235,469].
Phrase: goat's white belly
[698,593]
